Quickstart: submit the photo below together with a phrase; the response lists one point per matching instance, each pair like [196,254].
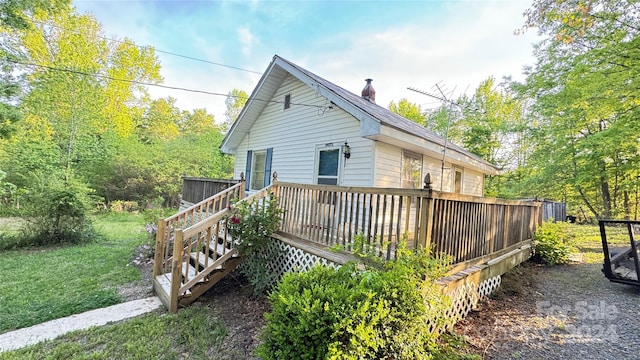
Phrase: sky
[399,44]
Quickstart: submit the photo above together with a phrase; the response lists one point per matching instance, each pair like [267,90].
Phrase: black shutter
[247,173]
[267,167]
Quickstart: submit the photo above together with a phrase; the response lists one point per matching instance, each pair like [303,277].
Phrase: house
[312,131]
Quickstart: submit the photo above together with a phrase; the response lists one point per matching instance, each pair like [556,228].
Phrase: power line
[154,48]
[106,77]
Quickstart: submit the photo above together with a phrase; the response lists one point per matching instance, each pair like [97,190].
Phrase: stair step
[203,260]
[218,248]
[188,270]
[165,282]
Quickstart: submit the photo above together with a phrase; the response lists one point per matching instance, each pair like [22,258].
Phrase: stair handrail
[194,234]
[167,227]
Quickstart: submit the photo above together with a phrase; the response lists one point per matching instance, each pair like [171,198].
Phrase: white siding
[434,167]
[388,166]
[388,171]
[473,183]
[294,134]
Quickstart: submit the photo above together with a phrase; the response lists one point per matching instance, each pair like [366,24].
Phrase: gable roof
[372,116]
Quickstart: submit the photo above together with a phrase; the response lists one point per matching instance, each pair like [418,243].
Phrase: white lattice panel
[487,287]
[466,297]
[463,299]
[291,259]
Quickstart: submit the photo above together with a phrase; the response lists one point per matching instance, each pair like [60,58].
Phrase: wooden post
[426,221]
[274,184]
[242,194]
[507,220]
[158,257]
[176,271]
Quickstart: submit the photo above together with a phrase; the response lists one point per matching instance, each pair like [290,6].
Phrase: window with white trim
[328,165]
[258,169]
[258,165]
[411,170]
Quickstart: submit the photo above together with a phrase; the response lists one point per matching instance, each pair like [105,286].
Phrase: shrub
[252,223]
[60,217]
[551,243]
[356,313]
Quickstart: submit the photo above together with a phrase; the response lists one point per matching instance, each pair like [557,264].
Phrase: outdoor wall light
[346,150]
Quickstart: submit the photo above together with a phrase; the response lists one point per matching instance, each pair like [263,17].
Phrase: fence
[196,189]
[463,227]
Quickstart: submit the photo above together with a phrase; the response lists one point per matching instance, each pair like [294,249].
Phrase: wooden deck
[194,249]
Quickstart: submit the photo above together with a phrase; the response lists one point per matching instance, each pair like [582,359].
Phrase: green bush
[356,313]
[60,217]
[551,243]
[252,223]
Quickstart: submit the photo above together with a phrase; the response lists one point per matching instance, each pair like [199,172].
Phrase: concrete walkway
[98,317]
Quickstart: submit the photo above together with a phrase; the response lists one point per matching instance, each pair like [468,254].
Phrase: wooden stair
[194,248]
[198,273]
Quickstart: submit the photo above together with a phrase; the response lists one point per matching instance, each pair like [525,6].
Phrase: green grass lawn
[192,333]
[586,239]
[41,284]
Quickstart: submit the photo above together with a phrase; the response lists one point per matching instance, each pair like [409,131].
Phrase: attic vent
[287,101]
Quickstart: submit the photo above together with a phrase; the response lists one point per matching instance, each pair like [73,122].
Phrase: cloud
[469,43]
[246,39]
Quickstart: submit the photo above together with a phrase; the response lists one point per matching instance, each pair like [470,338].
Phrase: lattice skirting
[287,258]
[466,297]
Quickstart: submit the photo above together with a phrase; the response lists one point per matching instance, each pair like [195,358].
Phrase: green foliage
[252,223]
[235,102]
[552,243]
[59,215]
[356,313]
[452,347]
[192,333]
[584,108]
[408,110]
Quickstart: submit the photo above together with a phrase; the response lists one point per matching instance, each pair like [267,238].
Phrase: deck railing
[167,228]
[464,227]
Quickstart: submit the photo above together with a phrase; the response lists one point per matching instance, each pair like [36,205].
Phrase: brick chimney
[369,93]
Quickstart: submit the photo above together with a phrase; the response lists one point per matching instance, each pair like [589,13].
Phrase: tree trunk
[587,202]
[627,205]
[606,198]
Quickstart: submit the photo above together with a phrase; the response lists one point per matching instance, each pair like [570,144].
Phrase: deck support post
[176,271]
[426,223]
[159,251]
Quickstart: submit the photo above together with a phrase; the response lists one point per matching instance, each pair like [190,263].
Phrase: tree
[160,121]
[197,122]
[408,110]
[14,17]
[235,102]
[586,101]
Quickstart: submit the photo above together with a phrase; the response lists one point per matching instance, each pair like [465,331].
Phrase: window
[287,101]
[258,169]
[411,170]
[328,165]
[257,172]
[457,180]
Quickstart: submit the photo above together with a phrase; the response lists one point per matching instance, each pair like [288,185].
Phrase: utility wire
[156,85]
[154,48]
